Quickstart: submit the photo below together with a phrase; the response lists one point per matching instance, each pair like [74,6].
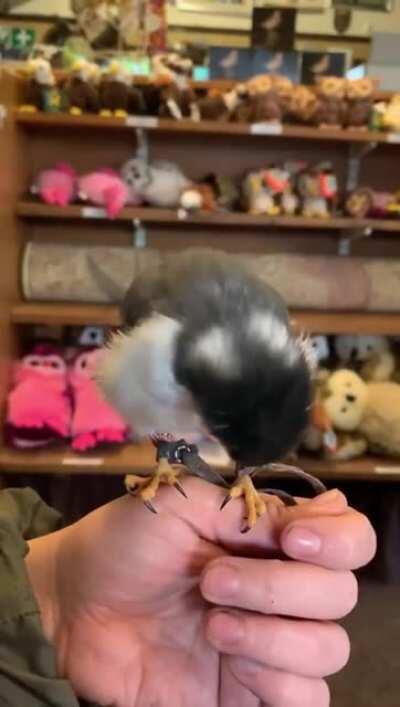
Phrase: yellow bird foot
[74,110]
[119,113]
[105,113]
[274,211]
[255,504]
[27,108]
[146,488]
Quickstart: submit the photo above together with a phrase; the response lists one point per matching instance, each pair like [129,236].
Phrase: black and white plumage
[207,346]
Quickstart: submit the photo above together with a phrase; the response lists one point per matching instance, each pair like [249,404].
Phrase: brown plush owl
[262,104]
[303,104]
[331,94]
[360,100]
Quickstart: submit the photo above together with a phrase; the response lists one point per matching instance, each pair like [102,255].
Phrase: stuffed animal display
[54,398]
[60,185]
[356,400]
[112,91]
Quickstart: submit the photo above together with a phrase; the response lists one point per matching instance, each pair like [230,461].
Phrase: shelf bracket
[357,153]
[139,234]
[350,235]
[142,141]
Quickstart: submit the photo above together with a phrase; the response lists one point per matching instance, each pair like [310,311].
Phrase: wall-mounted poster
[285,63]
[316,64]
[273,28]
[231,63]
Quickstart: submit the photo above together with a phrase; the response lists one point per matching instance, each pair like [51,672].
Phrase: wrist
[41,566]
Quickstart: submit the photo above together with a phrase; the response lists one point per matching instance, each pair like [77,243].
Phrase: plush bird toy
[208,348]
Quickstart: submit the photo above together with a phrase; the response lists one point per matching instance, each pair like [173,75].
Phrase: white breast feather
[137,377]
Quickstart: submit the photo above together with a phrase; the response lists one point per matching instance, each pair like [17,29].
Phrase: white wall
[44,7]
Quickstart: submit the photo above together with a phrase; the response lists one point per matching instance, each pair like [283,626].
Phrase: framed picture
[223,7]
[317,64]
[231,63]
[273,28]
[35,9]
[285,63]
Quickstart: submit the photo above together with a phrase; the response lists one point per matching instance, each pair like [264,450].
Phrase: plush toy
[262,104]
[114,90]
[364,202]
[359,102]
[320,346]
[159,183]
[81,87]
[226,191]
[371,410]
[283,88]
[38,406]
[198,197]
[317,187]
[256,196]
[371,356]
[94,421]
[104,188]
[391,114]
[178,100]
[331,105]
[57,185]
[40,82]
[303,105]
[219,105]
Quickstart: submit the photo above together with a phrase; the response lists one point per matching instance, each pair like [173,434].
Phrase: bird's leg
[255,504]
[167,471]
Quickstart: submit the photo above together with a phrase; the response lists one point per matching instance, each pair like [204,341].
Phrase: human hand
[125,598]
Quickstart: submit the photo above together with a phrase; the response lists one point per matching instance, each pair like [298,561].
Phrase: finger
[231,692]
[307,648]
[224,527]
[277,587]
[345,542]
[279,689]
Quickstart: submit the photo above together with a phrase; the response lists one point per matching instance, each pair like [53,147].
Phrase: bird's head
[252,386]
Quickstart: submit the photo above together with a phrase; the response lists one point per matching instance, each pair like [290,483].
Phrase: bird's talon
[225,502]
[150,506]
[180,489]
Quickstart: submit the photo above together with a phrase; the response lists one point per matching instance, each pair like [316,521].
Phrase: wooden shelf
[65,313]
[140,459]
[37,210]
[64,120]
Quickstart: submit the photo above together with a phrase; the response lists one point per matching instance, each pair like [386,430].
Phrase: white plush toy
[158,183]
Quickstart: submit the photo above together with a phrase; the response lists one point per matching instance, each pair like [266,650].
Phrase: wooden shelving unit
[30,142]
[29,209]
[140,459]
[205,127]
[63,313]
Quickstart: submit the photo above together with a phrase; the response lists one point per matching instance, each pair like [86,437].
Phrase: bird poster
[316,64]
[284,63]
[273,28]
[231,63]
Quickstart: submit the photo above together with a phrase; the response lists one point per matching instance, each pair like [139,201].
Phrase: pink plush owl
[38,409]
[104,188]
[94,422]
[57,185]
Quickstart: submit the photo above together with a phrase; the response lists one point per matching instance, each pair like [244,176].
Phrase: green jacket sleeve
[28,676]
